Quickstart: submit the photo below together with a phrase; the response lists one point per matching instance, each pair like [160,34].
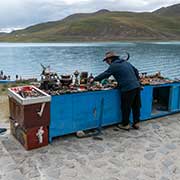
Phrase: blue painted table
[6,81]
[88,110]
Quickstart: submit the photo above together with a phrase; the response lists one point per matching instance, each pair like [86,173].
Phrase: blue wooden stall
[6,81]
[88,110]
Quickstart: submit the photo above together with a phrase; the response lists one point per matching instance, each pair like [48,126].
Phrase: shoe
[2,130]
[80,134]
[126,128]
[136,125]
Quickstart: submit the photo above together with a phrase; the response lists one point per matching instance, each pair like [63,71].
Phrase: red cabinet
[29,110]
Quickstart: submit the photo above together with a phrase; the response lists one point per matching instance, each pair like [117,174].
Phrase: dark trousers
[130,100]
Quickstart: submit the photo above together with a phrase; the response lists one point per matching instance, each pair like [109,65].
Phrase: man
[127,77]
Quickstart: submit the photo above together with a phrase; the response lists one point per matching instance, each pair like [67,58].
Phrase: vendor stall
[64,106]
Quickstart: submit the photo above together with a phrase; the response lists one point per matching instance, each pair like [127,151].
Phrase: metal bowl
[65,76]
[66,82]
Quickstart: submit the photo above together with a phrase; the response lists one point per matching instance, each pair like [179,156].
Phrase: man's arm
[104,75]
[138,77]
[136,72]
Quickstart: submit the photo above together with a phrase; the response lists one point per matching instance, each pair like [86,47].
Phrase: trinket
[84,78]
[49,80]
[153,79]
[76,74]
[66,80]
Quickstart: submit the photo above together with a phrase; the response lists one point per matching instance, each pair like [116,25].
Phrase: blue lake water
[24,58]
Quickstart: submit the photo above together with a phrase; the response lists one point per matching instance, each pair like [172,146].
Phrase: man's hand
[91,80]
[141,87]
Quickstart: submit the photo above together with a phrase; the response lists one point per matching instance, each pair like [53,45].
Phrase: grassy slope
[101,27]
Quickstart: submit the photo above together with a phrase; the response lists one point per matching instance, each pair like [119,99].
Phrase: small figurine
[39,134]
[83,77]
[49,80]
[76,74]
[90,78]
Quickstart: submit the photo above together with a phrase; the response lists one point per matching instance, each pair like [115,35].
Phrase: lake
[24,58]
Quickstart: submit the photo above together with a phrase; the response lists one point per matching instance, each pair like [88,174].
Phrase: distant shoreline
[84,42]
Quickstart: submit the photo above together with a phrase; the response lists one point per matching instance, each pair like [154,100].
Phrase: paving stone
[69,164]
[154,145]
[147,165]
[150,173]
[52,173]
[173,170]
[44,178]
[112,170]
[13,175]
[100,164]
[68,173]
[112,178]
[176,170]
[9,167]
[171,146]
[167,162]
[82,161]
[164,150]
[95,156]
[11,144]
[99,149]
[164,178]
[6,160]
[111,145]
[132,174]
[149,149]
[176,177]
[166,172]
[135,132]
[155,126]
[116,162]
[149,156]
[119,149]
[33,174]
[71,156]
[82,178]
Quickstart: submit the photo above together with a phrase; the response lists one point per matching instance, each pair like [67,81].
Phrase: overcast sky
[23,13]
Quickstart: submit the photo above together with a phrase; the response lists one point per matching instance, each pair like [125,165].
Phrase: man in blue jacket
[127,77]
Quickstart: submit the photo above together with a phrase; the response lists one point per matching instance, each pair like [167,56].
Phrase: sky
[17,14]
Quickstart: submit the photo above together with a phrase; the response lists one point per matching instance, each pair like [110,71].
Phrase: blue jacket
[125,74]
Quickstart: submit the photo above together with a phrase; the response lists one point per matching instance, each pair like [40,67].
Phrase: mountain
[2,33]
[173,10]
[104,25]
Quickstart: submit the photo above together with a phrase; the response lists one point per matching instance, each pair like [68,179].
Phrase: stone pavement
[151,153]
